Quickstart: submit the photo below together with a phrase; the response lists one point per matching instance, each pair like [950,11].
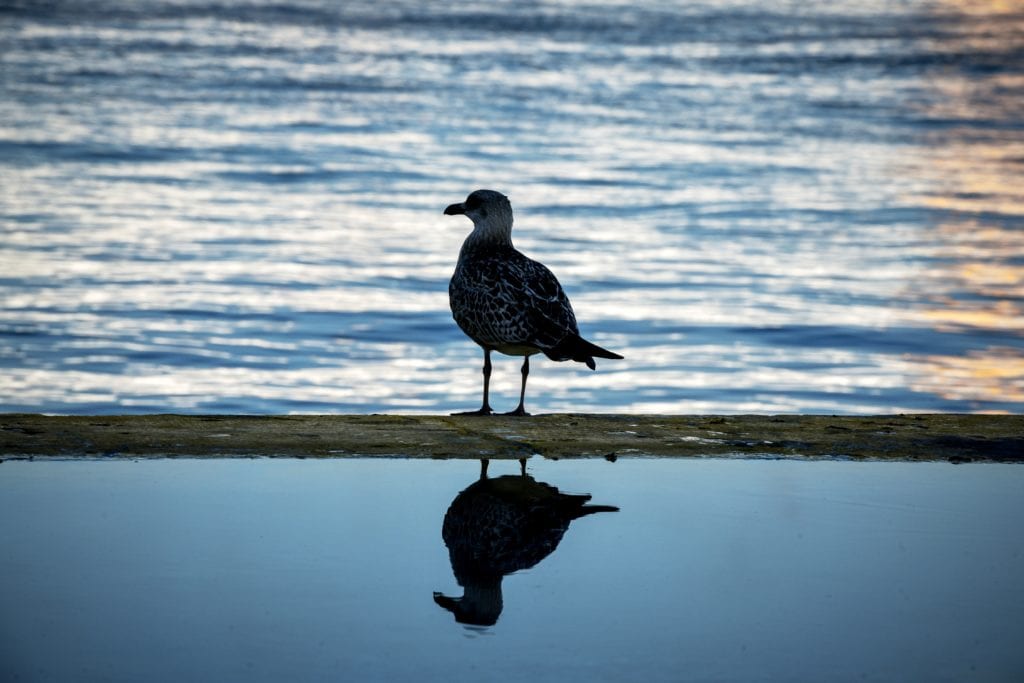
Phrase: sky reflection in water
[325,569]
[763,207]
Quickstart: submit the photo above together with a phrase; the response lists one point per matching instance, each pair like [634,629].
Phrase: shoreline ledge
[913,437]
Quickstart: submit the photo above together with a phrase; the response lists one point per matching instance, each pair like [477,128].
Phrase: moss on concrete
[954,437]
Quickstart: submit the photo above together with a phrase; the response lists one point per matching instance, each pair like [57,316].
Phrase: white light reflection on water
[762,206]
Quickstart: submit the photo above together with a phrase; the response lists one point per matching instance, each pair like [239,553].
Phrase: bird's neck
[489,235]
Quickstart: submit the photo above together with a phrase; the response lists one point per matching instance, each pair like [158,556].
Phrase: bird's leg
[522,466]
[485,409]
[520,410]
[484,462]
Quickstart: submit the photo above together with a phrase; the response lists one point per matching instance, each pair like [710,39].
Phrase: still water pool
[270,570]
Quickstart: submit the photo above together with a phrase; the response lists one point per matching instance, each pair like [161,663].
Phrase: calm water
[714,570]
[237,207]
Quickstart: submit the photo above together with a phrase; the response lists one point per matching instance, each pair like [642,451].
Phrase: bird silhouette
[498,526]
[507,302]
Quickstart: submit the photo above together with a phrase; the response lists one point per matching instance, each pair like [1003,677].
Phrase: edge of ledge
[953,437]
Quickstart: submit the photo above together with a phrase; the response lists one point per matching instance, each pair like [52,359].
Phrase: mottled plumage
[507,302]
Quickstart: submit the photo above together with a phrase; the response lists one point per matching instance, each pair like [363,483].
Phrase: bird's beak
[455,209]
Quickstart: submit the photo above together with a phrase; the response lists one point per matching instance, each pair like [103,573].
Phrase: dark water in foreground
[270,570]
[766,206]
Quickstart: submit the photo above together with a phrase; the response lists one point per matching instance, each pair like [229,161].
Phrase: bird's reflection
[497,526]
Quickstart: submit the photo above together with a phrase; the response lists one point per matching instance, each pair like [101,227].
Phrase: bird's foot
[483,410]
[520,411]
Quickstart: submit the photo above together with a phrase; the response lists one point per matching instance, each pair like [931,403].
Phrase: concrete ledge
[952,437]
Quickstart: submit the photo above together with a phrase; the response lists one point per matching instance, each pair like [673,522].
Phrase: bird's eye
[472,203]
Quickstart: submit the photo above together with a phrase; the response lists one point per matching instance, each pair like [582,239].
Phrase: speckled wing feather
[501,298]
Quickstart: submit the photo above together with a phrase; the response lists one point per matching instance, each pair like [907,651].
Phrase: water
[269,570]
[764,206]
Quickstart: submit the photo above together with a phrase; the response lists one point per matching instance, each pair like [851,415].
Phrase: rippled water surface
[236,207]
[711,570]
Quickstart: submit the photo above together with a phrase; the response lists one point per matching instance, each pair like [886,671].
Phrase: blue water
[316,570]
[765,206]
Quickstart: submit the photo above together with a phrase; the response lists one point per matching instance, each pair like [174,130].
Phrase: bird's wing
[548,315]
[507,299]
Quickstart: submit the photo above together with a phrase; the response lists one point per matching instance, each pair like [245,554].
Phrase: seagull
[507,302]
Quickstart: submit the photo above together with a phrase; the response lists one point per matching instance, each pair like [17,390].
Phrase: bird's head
[491,213]
[477,607]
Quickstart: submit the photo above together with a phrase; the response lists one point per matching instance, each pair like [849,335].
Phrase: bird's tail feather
[575,506]
[575,347]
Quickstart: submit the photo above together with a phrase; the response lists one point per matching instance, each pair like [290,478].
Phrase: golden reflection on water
[987,8]
[979,280]
[972,175]
[979,285]
[996,373]
[975,181]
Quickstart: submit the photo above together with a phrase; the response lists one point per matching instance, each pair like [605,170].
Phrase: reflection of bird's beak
[454,209]
[443,600]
